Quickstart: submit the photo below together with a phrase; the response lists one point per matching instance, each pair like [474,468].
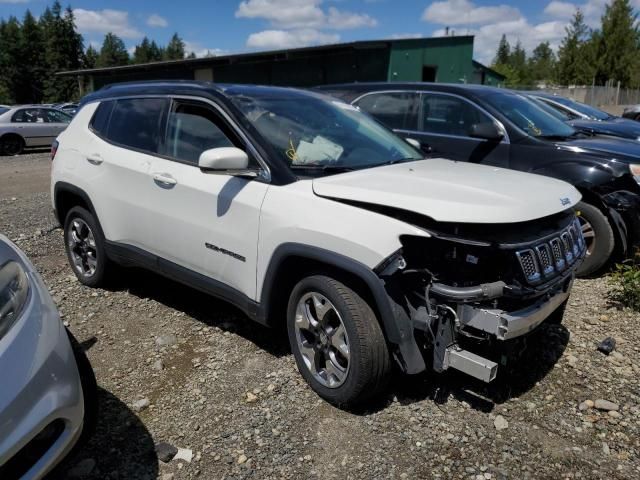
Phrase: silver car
[28,126]
[44,404]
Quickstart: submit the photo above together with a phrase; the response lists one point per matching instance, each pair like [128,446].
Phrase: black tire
[103,265]
[369,363]
[600,248]
[11,144]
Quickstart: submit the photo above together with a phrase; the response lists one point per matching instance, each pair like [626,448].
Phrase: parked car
[29,126]
[498,127]
[299,209]
[632,112]
[70,108]
[47,399]
[587,118]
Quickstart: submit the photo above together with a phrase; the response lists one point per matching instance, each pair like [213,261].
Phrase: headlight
[635,171]
[14,290]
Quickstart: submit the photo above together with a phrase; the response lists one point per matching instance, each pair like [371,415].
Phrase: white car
[29,126]
[299,209]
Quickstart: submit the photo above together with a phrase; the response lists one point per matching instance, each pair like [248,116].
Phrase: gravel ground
[179,367]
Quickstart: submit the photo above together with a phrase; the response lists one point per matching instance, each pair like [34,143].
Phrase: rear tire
[11,145]
[337,341]
[85,247]
[598,236]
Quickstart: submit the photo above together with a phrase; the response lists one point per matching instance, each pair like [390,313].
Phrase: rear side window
[135,123]
[100,120]
[55,116]
[398,110]
[192,129]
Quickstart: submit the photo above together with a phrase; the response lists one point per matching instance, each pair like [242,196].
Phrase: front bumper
[624,212]
[41,397]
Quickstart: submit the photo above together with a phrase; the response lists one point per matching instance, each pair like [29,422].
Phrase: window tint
[29,115]
[136,123]
[395,110]
[100,120]
[192,129]
[55,116]
[449,115]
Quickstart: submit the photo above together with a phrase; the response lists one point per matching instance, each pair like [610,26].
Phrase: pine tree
[542,63]
[619,43]
[147,52]
[32,63]
[90,57]
[504,52]
[573,66]
[155,52]
[9,60]
[175,49]
[113,52]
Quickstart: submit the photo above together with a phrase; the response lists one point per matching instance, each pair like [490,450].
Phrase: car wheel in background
[11,145]
[84,244]
[337,341]
[598,236]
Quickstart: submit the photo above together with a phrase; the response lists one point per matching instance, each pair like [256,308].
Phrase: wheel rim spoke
[322,339]
[82,247]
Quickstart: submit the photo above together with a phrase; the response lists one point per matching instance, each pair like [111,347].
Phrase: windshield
[314,133]
[529,117]
[582,108]
[3,110]
[555,111]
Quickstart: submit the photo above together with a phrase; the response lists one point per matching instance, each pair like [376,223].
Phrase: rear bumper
[41,399]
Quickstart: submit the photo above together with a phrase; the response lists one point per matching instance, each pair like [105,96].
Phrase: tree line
[586,56]
[33,50]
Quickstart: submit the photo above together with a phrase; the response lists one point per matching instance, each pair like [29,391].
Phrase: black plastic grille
[550,258]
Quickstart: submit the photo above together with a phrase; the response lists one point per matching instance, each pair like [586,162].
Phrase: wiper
[323,168]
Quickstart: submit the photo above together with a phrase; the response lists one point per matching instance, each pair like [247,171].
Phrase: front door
[205,222]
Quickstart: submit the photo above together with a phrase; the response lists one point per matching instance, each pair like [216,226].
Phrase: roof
[488,69]
[272,55]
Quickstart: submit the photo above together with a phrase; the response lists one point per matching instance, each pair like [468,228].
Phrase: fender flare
[398,328]
[68,187]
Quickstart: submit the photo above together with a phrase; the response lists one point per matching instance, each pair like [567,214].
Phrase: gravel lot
[228,389]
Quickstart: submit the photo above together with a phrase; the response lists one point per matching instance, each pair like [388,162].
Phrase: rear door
[116,163]
[206,222]
[32,125]
[445,122]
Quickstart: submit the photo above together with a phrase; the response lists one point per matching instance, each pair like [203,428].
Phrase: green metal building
[438,59]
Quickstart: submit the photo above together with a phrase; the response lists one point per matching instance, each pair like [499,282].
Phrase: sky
[233,26]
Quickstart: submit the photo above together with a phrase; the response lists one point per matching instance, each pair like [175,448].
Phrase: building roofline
[482,65]
[225,59]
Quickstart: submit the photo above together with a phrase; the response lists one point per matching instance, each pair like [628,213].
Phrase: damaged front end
[470,289]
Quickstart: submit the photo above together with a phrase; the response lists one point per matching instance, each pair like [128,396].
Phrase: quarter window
[100,121]
[395,110]
[136,123]
[191,130]
[449,115]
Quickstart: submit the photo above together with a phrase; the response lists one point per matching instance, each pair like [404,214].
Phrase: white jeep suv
[300,209]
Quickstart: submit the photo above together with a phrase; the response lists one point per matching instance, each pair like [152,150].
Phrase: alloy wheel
[589,234]
[82,247]
[11,146]
[322,339]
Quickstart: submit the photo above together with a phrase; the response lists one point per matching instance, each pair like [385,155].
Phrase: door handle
[95,159]
[164,180]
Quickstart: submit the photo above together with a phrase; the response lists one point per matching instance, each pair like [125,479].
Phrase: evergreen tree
[156,53]
[175,49]
[90,57]
[573,66]
[32,63]
[9,60]
[542,63]
[113,52]
[518,61]
[619,43]
[147,52]
[504,52]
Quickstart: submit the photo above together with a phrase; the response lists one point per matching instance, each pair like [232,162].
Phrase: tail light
[54,149]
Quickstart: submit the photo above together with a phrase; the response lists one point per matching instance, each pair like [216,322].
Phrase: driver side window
[449,115]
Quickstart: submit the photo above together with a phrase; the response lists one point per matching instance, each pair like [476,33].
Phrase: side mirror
[423,147]
[229,160]
[486,131]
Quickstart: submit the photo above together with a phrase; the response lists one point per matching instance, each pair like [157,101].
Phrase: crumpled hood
[620,127]
[449,191]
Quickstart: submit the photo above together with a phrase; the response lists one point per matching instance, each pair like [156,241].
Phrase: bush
[625,283]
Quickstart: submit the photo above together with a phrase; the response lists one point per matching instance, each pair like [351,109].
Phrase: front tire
[337,341]
[85,247]
[598,236]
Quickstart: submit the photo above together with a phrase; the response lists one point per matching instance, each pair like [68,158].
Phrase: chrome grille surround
[552,256]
